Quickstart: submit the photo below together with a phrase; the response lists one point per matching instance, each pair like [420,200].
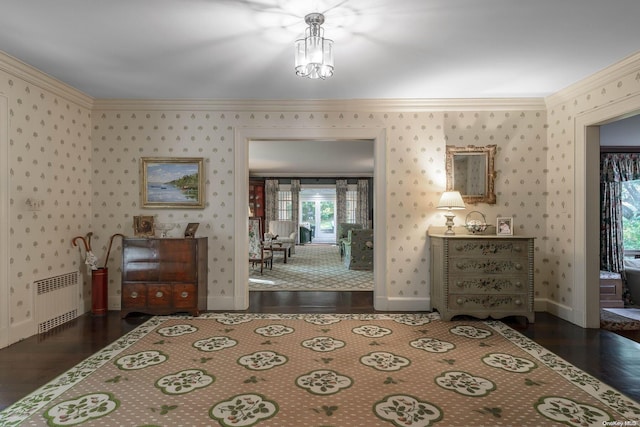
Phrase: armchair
[358,254]
[257,252]
[342,234]
[286,231]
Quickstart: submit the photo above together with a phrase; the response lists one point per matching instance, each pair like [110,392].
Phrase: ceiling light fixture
[314,53]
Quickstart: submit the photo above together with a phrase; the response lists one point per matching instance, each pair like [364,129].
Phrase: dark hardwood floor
[28,364]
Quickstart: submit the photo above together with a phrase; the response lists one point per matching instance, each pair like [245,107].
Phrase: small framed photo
[143,226]
[172,182]
[504,226]
[190,231]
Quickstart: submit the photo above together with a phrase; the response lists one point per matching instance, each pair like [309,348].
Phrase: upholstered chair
[342,234]
[358,250]
[287,232]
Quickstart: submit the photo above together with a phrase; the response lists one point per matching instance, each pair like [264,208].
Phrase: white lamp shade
[451,200]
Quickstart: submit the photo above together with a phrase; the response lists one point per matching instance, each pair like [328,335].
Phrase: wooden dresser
[164,276]
[482,275]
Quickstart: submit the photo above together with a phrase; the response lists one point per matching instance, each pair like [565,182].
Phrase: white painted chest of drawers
[482,276]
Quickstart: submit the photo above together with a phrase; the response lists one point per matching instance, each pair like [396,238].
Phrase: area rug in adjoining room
[311,268]
[323,370]
[614,320]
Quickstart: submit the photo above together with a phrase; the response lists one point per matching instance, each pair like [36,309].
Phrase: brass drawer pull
[518,301]
[159,294]
[459,301]
[134,294]
[518,266]
[184,294]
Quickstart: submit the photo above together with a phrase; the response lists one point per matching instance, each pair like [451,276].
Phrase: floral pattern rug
[323,370]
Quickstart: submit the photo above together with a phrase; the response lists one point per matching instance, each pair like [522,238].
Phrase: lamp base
[449,232]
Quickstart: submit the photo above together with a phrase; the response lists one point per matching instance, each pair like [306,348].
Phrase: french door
[318,208]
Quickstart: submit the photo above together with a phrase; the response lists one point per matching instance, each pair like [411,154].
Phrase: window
[631,216]
[352,206]
[284,205]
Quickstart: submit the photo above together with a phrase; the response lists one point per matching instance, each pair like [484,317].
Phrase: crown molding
[601,78]
[323,105]
[31,75]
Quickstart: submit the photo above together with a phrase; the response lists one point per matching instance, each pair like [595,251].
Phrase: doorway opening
[243,136]
[318,209]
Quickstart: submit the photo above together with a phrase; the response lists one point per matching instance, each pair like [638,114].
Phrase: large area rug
[312,268]
[323,370]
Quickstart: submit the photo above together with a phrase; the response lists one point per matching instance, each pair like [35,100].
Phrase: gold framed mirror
[470,170]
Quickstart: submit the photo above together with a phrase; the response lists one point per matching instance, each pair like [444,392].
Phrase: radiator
[56,300]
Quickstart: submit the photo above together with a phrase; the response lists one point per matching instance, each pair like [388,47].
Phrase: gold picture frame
[172,182]
[144,226]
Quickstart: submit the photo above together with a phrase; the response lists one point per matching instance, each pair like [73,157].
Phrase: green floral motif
[164,409]
[243,410]
[177,330]
[184,381]
[432,345]
[470,332]
[509,363]
[81,409]
[327,410]
[414,319]
[404,410]
[234,319]
[274,330]
[262,360]
[323,344]
[321,319]
[465,383]
[215,343]
[371,331]
[570,412]
[141,360]
[496,412]
[384,361]
[323,382]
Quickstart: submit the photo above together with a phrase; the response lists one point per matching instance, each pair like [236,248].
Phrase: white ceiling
[243,49]
[343,158]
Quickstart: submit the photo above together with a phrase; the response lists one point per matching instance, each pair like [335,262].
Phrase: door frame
[243,136]
[586,306]
[4,222]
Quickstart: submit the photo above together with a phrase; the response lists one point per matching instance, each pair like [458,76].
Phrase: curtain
[615,168]
[362,216]
[295,204]
[271,187]
[341,202]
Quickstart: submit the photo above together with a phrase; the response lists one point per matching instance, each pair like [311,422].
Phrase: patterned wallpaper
[83,165]
[615,84]
[50,160]
[416,153]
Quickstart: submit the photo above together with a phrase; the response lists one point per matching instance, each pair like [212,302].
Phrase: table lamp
[450,200]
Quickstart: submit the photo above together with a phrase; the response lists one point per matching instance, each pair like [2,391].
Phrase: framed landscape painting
[172,182]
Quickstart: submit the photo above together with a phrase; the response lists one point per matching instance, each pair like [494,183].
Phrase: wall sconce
[450,200]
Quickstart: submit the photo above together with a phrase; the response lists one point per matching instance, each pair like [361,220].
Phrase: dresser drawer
[185,295]
[488,303]
[158,295]
[490,247]
[134,295]
[488,265]
[488,284]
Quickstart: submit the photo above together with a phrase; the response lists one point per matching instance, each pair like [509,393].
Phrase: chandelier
[314,53]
